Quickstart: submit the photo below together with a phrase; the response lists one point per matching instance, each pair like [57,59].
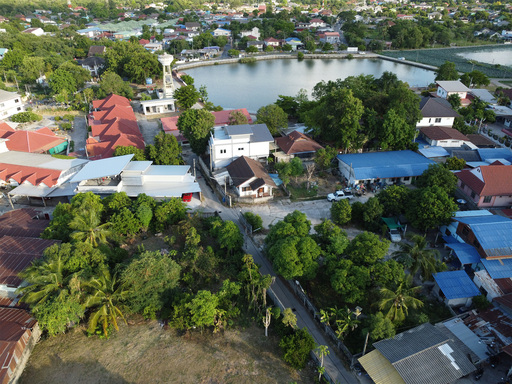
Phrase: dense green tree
[58,228]
[125,223]
[168,213]
[196,125]
[438,175]
[87,227]
[115,202]
[341,212]
[429,207]
[141,65]
[294,257]
[396,133]
[388,273]
[350,281]
[455,164]
[186,96]
[274,117]
[165,151]
[237,117]
[475,79]
[56,317]
[152,276]
[113,83]
[393,199]
[229,236]
[372,213]
[367,249]
[203,309]
[447,71]
[297,348]
[130,150]
[32,67]
[454,100]
[331,238]
[69,76]
[324,157]
[379,327]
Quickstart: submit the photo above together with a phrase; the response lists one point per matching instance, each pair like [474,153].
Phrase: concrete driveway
[79,135]
[149,128]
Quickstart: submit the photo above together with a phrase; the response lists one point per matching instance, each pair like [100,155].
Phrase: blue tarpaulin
[456,285]
[466,253]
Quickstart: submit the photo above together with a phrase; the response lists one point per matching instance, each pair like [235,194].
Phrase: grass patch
[64,157]
[146,353]
[301,192]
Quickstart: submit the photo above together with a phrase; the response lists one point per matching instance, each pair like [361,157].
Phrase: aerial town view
[288,191]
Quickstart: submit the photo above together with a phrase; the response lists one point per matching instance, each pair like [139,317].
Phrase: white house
[34,31]
[446,88]
[317,23]
[331,37]
[253,32]
[445,137]
[221,32]
[233,141]
[250,178]
[436,111]
[10,104]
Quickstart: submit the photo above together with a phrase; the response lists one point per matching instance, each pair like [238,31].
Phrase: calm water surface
[254,85]
[502,56]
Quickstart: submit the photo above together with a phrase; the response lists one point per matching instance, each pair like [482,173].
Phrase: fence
[326,328]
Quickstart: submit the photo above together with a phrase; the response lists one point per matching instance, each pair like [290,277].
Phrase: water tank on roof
[149,81]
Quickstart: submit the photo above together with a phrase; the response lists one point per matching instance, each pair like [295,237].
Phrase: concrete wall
[441,121]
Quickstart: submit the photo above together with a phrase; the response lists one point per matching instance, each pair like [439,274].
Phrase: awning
[31,190]
[391,223]
[467,254]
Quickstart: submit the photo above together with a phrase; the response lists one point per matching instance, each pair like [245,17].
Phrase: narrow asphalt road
[333,365]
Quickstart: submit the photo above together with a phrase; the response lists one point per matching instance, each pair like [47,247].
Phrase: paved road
[334,366]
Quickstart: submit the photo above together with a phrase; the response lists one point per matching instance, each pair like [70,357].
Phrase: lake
[502,56]
[254,85]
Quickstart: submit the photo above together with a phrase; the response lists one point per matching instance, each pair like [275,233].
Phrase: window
[487,199]
[473,195]
[241,148]
[406,178]
[429,120]
[16,100]
[438,119]
[223,151]
[18,109]
[246,189]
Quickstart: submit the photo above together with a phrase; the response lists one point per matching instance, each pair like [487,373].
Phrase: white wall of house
[441,121]
[346,171]
[445,143]
[466,301]
[441,92]
[245,190]
[11,106]
[224,151]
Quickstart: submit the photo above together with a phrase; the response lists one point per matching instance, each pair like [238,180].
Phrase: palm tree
[322,350]
[47,278]
[397,303]
[346,323]
[88,228]
[104,294]
[416,257]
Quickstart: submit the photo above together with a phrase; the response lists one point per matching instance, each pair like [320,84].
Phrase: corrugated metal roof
[424,355]
[494,153]
[112,166]
[464,334]
[456,284]
[380,369]
[434,152]
[498,269]
[467,254]
[385,165]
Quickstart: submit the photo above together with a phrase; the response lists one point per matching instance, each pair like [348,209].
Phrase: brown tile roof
[497,180]
[297,142]
[482,141]
[244,169]
[22,222]
[96,50]
[443,133]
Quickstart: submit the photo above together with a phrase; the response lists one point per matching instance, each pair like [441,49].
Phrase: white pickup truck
[339,195]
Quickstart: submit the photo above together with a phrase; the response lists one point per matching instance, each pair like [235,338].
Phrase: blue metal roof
[494,233]
[434,152]
[498,269]
[494,153]
[450,240]
[384,165]
[456,284]
[467,254]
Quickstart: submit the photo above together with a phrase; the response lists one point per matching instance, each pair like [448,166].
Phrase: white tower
[166,61]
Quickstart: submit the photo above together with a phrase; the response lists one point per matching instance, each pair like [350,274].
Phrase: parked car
[394,235]
[339,195]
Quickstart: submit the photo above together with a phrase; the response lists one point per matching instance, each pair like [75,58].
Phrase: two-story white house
[436,111]
[233,141]
[446,88]
[221,32]
[252,32]
[10,104]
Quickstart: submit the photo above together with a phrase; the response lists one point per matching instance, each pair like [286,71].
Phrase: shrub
[58,118]
[25,117]
[350,56]
[66,126]
[501,140]
[481,302]
[297,348]
[300,55]
[71,146]
[254,219]
[247,60]
[69,117]
[341,212]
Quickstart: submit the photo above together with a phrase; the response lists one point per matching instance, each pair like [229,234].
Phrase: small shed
[466,253]
[455,288]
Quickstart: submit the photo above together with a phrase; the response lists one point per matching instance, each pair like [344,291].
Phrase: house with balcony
[230,142]
[10,104]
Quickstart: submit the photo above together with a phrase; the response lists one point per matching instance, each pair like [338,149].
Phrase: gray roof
[258,132]
[424,355]
[96,169]
[242,129]
[468,155]
[452,86]
[5,95]
[436,107]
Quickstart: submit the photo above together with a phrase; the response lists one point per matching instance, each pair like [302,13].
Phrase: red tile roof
[110,101]
[297,142]
[32,175]
[5,130]
[222,117]
[497,180]
[39,141]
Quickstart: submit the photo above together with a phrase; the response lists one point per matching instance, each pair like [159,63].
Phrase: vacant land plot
[146,353]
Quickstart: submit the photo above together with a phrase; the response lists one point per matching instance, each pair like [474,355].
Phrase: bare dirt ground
[147,353]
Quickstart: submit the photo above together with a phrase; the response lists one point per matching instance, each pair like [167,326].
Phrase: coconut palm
[104,295]
[398,302]
[47,279]
[416,257]
[88,228]
[345,323]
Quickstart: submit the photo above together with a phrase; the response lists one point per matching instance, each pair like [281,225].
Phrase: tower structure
[168,86]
